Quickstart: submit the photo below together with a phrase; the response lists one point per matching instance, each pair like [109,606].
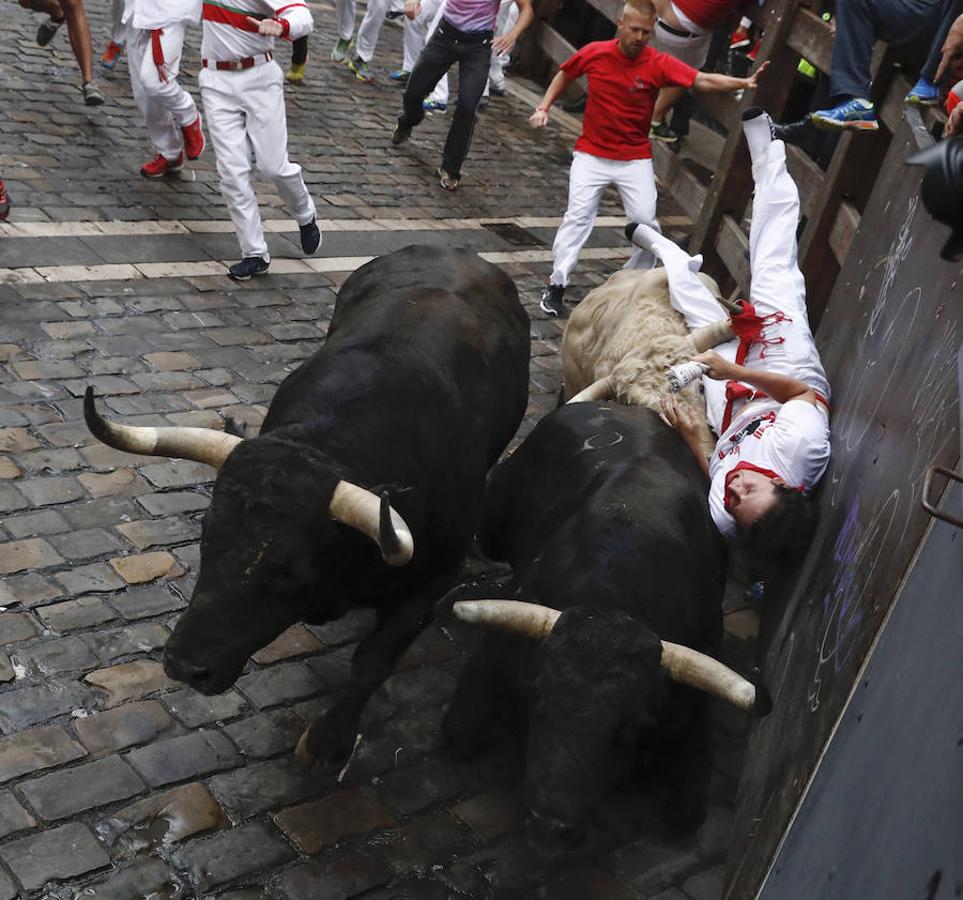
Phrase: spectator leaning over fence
[767,396]
[78,30]
[926,91]
[155,40]
[243,93]
[904,23]
[464,35]
[683,29]
[624,77]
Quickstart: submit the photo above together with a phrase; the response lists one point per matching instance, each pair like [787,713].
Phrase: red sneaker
[4,202]
[112,53]
[740,38]
[160,165]
[193,139]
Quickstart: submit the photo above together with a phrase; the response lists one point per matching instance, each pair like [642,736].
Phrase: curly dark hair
[780,537]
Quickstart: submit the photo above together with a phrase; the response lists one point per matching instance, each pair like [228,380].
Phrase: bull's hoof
[302,754]
[314,750]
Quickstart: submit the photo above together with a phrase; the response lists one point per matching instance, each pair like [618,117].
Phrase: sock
[757,127]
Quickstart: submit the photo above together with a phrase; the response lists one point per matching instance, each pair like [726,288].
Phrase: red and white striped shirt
[229,36]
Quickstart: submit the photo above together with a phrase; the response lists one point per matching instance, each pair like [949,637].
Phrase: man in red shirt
[624,77]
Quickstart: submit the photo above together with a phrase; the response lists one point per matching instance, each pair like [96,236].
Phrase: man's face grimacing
[748,495]
[635,30]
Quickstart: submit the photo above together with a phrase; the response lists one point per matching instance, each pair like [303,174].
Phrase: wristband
[543,109]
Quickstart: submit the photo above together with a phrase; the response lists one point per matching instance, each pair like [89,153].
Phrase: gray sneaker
[447,181]
[47,30]
[92,95]
[400,134]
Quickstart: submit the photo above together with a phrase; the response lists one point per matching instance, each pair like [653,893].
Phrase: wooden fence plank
[843,231]
[812,39]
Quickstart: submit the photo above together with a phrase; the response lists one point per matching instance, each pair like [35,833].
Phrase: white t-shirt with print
[792,440]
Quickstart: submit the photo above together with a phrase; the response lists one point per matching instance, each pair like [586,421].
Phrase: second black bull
[602,513]
[380,441]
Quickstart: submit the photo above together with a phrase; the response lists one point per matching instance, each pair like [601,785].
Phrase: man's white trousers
[589,177]
[245,115]
[776,285]
[165,106]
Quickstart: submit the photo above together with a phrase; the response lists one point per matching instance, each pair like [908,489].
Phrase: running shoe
[92,95]
[740,38]
[433,106]
[853,115]
[248,267]
[552,302]
[400,134]
[664,133]
[361,70]
[400,76]
[193,138]
[160,165]
[923,93]
[295,75]
[339,54]
[47,30]
[310,237]
[448,182]
[112,55]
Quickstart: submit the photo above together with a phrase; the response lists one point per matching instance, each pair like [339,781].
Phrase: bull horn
[373,516]
[682,664]
[709,336]
[603,389]
[206,445]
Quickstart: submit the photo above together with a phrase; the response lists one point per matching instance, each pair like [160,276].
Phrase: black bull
[602,513]
[419,386]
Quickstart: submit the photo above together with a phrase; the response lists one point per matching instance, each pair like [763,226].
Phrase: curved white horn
[206,445]
[603,389]
[361,509]
[709,336]
[688,666]
[530,619]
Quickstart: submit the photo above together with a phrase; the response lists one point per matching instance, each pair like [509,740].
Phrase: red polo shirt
[621,96]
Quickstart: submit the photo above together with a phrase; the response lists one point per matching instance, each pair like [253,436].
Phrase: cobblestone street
[116,782]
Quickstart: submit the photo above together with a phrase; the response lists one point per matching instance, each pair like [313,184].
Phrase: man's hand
[952,49]
[539,118]
[682,417]
[267,27]
[412,9]
[752,81]
[954,122]
[502,45]
[720,368]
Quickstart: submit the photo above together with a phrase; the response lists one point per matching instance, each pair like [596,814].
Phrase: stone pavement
[116,782]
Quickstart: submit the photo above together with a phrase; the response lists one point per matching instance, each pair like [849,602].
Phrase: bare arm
[554,90]
[682,418]
[713,82]
[782,388]
[526,14]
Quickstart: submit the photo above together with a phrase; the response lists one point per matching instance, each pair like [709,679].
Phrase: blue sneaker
[248,267]
[434,106]
[853,115]
[400,75]
[923,93]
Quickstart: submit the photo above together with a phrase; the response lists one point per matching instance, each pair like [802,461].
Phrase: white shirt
[792,440]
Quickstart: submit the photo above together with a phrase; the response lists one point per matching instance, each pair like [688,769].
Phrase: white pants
[245,113]
[776,285]
[587,181]
[165,106]
[346,14]
[370,28]
[693,50]
[118,31]
[417,33]
[507,17]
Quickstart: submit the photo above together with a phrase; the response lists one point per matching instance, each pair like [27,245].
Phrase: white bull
[624,335]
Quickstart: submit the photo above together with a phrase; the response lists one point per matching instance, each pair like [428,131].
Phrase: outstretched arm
[714,82]
[556,88]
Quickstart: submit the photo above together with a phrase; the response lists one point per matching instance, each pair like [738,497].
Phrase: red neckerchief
[748,466]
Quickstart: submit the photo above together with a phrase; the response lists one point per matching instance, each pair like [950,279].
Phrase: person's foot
[853,115]
[193,138]
[295,75]
[482,104]
[400,76]
[663,132]
[400,134]
[923,93]
[448,182]
[111,56]
[361,70]
[310,237]
[740,38]
[339,53]
[160,165]
[552,301]
[434,106]
[498,90]
[798,133]
[47,30]
[4,202]
[248,267]
[92,95]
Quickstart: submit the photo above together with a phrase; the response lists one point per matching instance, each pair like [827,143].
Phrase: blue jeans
[472,51]
[860,22]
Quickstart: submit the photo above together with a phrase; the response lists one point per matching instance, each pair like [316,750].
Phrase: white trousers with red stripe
[164,104]
[776,285]
[245,115]
[588,179]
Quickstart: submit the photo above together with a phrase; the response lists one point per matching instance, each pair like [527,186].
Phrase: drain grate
[514,235]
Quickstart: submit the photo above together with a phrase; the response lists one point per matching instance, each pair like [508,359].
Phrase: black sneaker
[551,301]
[47,30]
[247,267]
[310,237]
[400,134]
[664,133]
